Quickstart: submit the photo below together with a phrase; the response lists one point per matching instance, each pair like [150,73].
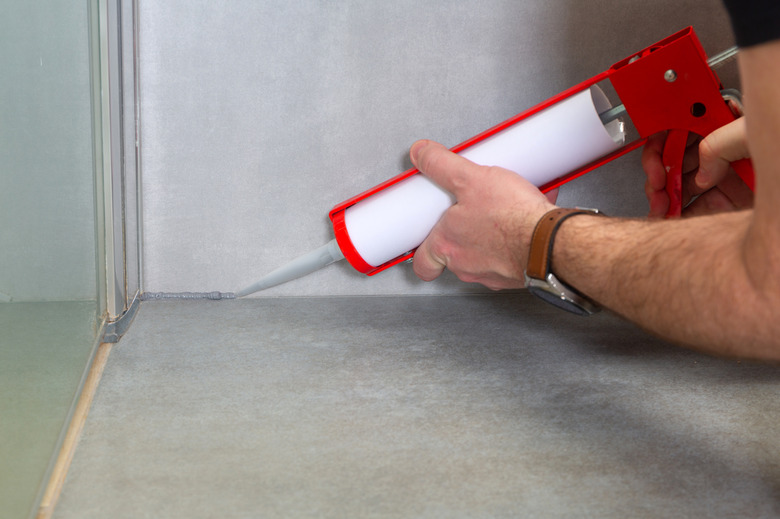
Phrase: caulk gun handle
[744,168]
[674,152]
[673,155]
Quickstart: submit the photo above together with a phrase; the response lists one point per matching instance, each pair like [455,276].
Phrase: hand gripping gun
[669,86]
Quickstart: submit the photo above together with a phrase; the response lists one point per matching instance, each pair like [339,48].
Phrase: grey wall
[258,117]
[47,229]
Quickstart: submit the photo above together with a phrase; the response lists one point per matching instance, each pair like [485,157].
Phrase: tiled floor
[473,406]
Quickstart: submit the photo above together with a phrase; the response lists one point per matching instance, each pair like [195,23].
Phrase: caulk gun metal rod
[613,113]
[723,57]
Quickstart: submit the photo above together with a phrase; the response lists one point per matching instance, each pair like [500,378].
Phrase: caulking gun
[669,86]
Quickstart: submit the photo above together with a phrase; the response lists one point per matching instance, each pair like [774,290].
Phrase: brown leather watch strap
[540,254]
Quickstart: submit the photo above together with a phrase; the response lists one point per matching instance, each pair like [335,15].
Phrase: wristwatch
[539,280]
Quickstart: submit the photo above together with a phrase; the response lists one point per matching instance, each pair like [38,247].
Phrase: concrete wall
[258,117]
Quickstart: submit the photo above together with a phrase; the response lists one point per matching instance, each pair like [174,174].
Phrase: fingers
[725,145]
[652,159]
[427,266]
[655,172]
[706,164]
[652,162]
[450,172]
[713,201]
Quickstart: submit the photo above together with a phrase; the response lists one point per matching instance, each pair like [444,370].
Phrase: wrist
[540,277]
[575,235]
[527,227]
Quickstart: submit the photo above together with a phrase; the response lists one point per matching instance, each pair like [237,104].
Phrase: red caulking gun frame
[669,86]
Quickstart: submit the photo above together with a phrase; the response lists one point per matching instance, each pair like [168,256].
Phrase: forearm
[712,282]
[686,280]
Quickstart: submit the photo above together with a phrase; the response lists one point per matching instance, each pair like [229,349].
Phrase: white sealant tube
[542,148]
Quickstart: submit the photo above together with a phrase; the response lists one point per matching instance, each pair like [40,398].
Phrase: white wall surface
[258,117]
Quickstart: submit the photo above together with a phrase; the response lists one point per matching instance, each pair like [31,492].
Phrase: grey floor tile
[478,406]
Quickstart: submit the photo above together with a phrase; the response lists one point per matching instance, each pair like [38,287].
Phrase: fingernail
[415,150]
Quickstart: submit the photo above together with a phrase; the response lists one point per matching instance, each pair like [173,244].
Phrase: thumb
[427,265]
[447,169]
[718,150]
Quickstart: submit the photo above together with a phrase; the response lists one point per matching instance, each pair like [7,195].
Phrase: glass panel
[50,309]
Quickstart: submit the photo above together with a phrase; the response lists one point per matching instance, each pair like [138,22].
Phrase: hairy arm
[711,282]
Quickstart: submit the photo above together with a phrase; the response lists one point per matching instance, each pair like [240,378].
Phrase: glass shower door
[52,302]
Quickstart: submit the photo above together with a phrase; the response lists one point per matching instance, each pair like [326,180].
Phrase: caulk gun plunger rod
[299,267]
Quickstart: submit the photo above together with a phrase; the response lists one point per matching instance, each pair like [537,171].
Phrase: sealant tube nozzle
[299,267]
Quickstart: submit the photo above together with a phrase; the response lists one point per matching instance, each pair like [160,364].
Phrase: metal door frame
[118,182]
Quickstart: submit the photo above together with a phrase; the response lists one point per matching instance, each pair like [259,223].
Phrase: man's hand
[485,236]
[706,173]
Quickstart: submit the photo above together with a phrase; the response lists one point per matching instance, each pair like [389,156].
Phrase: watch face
[557,300]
